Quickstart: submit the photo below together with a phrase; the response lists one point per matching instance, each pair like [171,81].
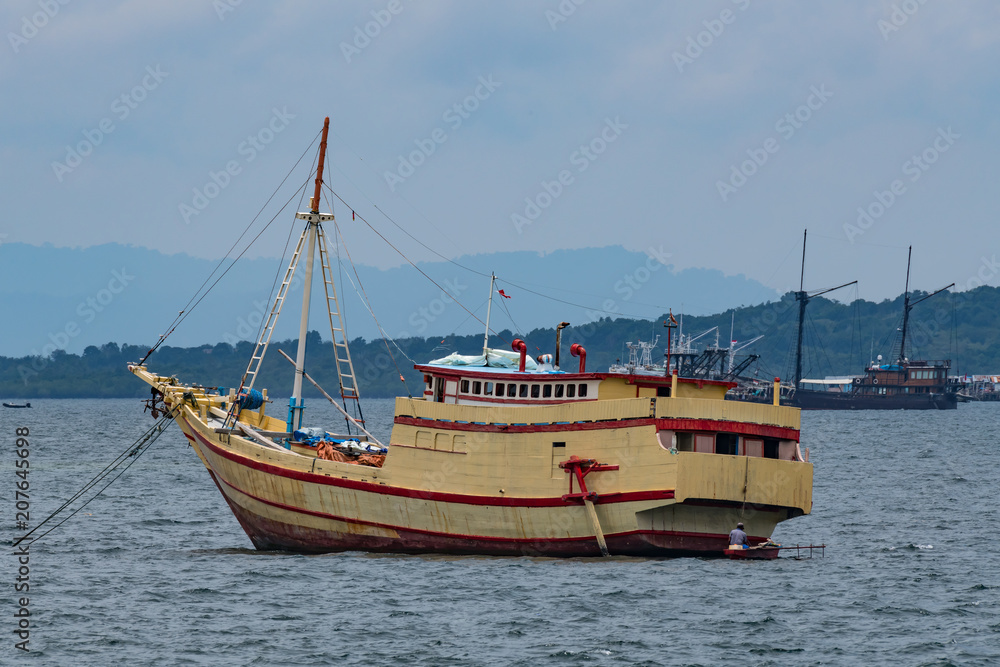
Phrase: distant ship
[904,384]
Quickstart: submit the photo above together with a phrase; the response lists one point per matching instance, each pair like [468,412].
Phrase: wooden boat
[501,455]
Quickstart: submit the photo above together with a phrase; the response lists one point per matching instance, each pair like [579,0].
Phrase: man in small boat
[738,538]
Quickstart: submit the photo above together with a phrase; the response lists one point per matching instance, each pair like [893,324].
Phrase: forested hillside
[839,339]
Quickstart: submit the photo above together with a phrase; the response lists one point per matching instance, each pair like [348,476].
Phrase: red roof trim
[705,425]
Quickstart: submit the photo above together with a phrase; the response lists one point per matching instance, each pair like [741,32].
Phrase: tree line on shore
[840,340]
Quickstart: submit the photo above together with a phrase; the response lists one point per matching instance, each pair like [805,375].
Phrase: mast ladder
[253,368]
[341,351]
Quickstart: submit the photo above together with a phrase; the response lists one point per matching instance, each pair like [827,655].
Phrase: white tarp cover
[831,380]
[497,359]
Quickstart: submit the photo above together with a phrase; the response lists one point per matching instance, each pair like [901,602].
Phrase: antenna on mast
[489,307]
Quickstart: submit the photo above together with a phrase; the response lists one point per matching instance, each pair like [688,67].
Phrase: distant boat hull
[14,405]
[829,400]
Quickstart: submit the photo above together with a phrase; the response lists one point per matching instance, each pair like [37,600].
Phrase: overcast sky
[712,131]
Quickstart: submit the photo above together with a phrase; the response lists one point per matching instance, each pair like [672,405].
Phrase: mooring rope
[134,451]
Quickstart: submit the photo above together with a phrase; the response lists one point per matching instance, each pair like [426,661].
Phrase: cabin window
[570,391]
[583,391]
[512,390]
[559,391]
[786,450]
[438,390]
[465,386]
[704,444]
[684,442]
[727,443]
[488,389]
[558,444]
[770,448]
[535,390]
[523,392]
[547,391]
[753,447]
[500,388]
[477,387]
[663,391]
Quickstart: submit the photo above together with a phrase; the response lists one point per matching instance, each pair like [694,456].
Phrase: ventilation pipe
[519,346]
[577,351]
[559,329]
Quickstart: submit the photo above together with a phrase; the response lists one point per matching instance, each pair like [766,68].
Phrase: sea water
[156,570]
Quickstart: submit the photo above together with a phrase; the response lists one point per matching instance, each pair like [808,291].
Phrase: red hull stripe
[432,533]
[465,499]
[269,534]
[708,425]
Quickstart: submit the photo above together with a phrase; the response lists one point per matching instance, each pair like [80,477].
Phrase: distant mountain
[68,298]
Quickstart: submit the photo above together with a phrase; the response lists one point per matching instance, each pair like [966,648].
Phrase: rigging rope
[182,315]
[517,330]
[366,302]
[133,452]
[281,266]
[458,264]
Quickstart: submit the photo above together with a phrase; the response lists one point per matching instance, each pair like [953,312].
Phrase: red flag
[503,295]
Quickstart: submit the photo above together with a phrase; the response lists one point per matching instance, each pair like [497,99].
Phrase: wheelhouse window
[535,390]
[570,391]
[727,443]
[465,386]
[511,390]
[753,447]
[488,389]
[500,388]
[523,392]
[547,391]
[582,393]
[770,448]
[477,387]
[559,391]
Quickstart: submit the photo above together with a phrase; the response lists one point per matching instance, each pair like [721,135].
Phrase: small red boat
[769,551]
[753,553]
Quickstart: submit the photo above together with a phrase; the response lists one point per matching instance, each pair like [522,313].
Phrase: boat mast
[906,308]
[489,307]
[803,299]
[313,219]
